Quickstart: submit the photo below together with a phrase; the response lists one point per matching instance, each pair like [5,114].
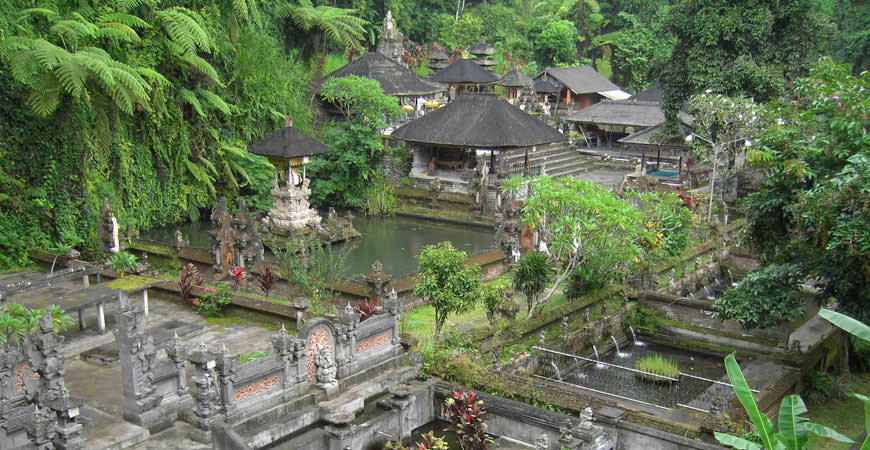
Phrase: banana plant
[793,429]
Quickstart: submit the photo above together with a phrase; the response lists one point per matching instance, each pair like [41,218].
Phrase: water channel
[394,241]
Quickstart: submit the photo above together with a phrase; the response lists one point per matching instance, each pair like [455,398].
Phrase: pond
[394,241]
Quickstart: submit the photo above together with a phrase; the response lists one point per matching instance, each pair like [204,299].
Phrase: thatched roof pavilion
[515,80]
[394,78]
[464,73]
[288,144]
[481,120]
[483,51]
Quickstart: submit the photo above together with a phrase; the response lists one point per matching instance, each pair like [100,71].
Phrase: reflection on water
[394,241]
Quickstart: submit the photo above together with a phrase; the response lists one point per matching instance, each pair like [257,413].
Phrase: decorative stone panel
[257,387]
[20,373]
[319,337]
[374,341]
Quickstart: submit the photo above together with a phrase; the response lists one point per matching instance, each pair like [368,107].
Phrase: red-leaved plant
[238,274]
[365,309]
[189,277]
[465,413]
[267,280]
[432,442]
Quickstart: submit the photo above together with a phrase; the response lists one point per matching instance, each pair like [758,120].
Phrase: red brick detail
[374,341]
[256,387]
[319,337]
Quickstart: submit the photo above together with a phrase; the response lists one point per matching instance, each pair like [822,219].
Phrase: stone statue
[248,244]
[179,240]
[325,367]
[586,418]
[222,239]
[565,436]
[108,229]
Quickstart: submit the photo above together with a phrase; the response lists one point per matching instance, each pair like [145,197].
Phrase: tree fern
[184,30]
[123,18]
[190,97]
[203,66]
[37,12]
[214,101]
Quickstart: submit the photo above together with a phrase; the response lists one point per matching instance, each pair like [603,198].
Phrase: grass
[420,322]
[658,365]
[845,415]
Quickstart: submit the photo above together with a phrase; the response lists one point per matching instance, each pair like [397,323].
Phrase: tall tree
[743,47]
[809,220]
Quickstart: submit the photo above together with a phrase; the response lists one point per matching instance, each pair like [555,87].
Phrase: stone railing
[323,352]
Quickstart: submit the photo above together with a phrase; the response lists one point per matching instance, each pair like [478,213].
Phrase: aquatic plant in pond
[656,364]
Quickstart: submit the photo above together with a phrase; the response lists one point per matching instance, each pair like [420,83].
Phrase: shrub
[822,386]
[531,276]
[657,365]
[380,200]
[582,281]
[189,277]
[122,262]
[267,280]
[214,300]
[493,297]
[465,413]
[366,310]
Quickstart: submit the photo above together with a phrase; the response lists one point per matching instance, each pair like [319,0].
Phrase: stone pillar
[226,365]
[40,429]
[283,344]
[137,354]
[177,352]
[349,320]
[394,307]
[376,283]
[300,355]
[205,394]
[68,432]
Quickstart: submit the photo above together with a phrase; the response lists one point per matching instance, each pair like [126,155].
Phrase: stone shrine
[291,209]
[390,40]
[108,230]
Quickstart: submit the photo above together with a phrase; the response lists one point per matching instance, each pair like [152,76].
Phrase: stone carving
[390,40]
[326,369]
[222,239]
[376,283]
[393,304]
[565,435]
[40,429]
[317,339]
[137,357]
[108,230]
[542,442]
[248,245]
[509,232]
[374,341]
[594,437]
[205,394]
[180,243]
[291,210]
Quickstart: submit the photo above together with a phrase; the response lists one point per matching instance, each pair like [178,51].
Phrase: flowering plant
[213,301]
[189,278]
[238,273]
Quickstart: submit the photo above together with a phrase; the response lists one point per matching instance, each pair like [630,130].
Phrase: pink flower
[196,303]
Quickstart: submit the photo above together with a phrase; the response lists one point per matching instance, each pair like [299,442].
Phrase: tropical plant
[365,309]
[466,416]
[447,281]
[122,262]
[267,280]
[17,321]
[314,268]
[321,28]
[493,296]
[531,276]
[557,43]
[188,278]
[763,298]
[428,441]
[380,198]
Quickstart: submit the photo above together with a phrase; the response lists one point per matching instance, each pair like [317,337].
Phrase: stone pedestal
[291,210]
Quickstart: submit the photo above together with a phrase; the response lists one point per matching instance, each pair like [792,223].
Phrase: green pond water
[394,241]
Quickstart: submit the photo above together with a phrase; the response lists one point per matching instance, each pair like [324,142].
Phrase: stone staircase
[559,160]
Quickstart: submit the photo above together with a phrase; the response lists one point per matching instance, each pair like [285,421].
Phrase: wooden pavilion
[465,75]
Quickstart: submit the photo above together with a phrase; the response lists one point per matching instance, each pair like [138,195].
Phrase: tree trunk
[552,290]
[439,322]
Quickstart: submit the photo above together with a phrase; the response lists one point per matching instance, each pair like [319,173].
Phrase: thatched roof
[515,78]
[620,112]
[482,49]
[437,55]
[287,143]
[580,79]
[650,94]
[394,78]
[464,71]
[543,86]
[480,120]
[652,136]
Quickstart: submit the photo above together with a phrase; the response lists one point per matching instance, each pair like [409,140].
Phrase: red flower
[196,303]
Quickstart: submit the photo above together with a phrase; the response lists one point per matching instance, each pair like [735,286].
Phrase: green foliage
[252,356]
[763,298]
[459,34]
[556,44]
[322,27]
[380,198]
[822,386]
[122,262]
[213,301]
[635,51]
[739,48]
[665,217]
[493,297]
[446,282]
[793,428]
[531,276]
[812,210]
[313,269]
[17,321]
[343,176]
[657,364]
[585,225]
